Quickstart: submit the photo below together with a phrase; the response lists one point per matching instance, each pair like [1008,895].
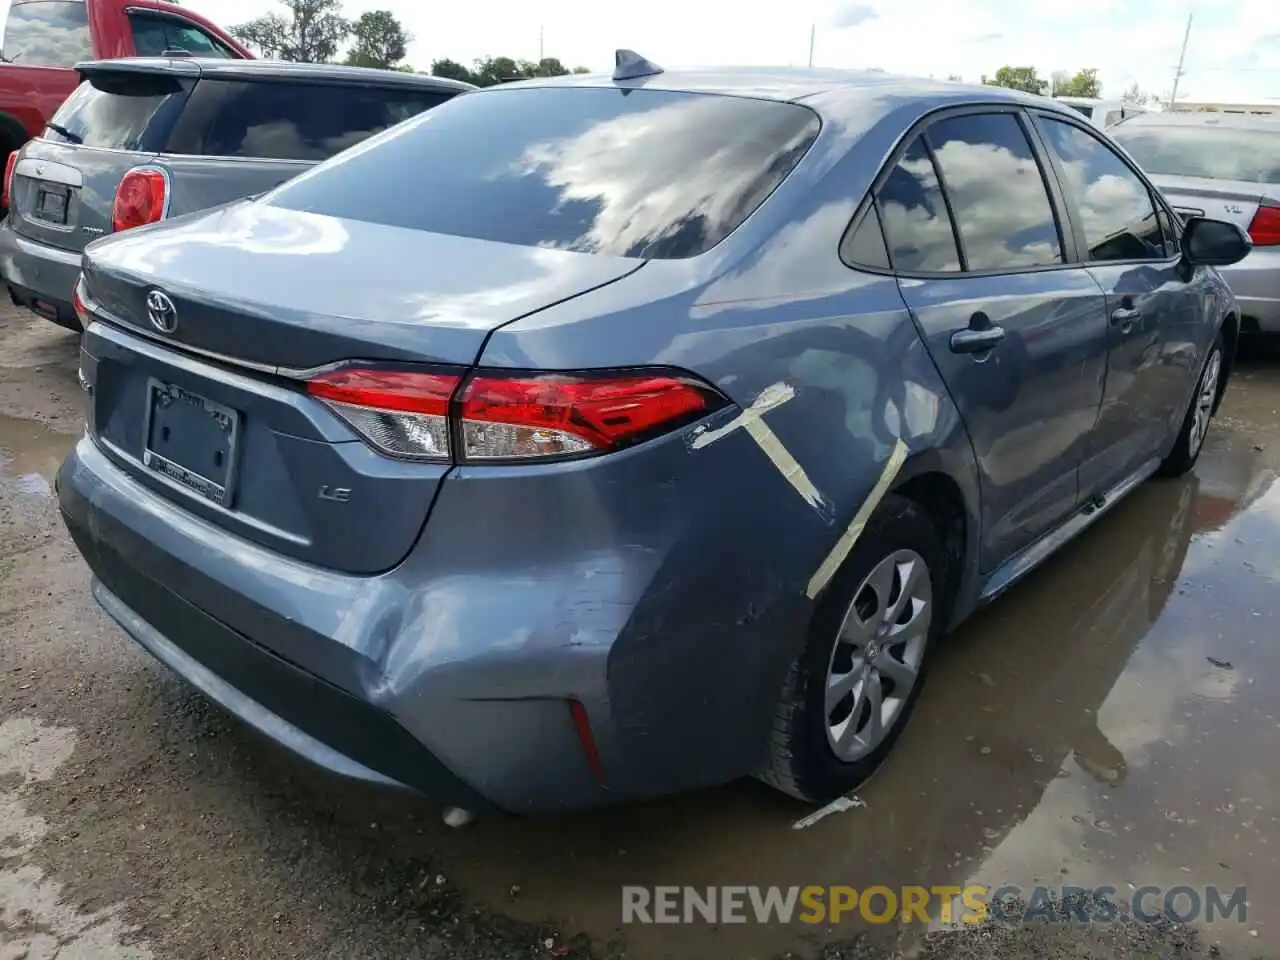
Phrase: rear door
[66,181]
[1155,333]
[1017,330]
[239,135]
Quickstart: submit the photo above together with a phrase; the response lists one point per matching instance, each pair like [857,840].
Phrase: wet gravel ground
[1114,720]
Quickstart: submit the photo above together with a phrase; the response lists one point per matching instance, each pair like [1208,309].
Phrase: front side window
[47,33]
[290,120]
[622,172]
[1120,221]
[997,192]
[914,215]
[155,36]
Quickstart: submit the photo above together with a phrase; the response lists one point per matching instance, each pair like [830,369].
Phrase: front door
[1129,241]
[1018,333]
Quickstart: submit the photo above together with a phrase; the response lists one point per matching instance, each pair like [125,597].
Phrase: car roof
[270,70]
[791,84]
[1234,121]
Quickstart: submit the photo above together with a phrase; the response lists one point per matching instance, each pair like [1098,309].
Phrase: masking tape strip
[838,805]
[791,471]
[751,420]
[771,397]
[844,545]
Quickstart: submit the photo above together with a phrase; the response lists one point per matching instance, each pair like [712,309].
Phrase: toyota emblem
[161,312]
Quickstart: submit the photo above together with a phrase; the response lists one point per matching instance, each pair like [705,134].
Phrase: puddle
[30,454]
[1105,723]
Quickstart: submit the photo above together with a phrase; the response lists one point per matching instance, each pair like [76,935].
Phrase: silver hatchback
[1225,166]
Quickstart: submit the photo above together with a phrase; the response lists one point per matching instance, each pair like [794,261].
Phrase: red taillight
[514,418]
[8,179]
[413,415]
[140,199]
[78,304]
[1265,228]
[402,413]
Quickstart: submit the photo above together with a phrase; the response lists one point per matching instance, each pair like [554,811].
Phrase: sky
[1233,54]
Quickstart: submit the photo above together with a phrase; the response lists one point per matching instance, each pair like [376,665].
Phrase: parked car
[594,438]
[44,39]
[1103,113]
[145,139]
[1226,166]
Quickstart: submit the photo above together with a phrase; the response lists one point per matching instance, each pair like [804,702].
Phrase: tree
[955,78]
[1135,94]
[1084,84]
[380,40]
[451,69]
[310,33]
[1017,78]
[490,70]
[487,71]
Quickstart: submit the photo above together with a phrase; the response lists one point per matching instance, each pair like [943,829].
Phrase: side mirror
[1214,243]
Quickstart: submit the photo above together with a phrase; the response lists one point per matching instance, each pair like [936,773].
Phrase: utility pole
[541,54]
[1182,57]
[813,35]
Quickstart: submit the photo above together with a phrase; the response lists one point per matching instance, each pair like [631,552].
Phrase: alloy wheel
[1202,411]
[878,653]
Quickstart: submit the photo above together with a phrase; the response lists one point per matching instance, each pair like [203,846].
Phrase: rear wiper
[64,132]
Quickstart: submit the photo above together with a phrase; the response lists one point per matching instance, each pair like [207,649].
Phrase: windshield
[1082,108]
[624,172]
[1218,153]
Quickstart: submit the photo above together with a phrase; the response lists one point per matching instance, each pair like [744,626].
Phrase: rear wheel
[848,696]
[1195,424]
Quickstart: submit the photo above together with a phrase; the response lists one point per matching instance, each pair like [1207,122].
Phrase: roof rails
[629,65]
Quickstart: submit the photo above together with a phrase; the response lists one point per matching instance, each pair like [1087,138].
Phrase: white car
[1103,113]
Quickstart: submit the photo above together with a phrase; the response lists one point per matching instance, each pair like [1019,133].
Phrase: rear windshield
[47,33]
[1219,153]
[291,120]
[118,110]
[632,173]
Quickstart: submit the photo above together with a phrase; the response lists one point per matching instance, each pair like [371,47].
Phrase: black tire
[801,760]
[1186,450]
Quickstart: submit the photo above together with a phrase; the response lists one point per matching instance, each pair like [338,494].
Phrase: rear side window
[631,173]
[120,111]
[997,192]
[914,214]
[291,121]
[153,36]
[47,33]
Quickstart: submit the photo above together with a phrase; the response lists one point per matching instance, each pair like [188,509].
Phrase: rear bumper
[453,674]
[1255,281]
[39,277]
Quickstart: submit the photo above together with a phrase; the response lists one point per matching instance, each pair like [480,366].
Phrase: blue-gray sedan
[600,437]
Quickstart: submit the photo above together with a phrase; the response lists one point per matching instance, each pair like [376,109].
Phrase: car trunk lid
[275,288]
[206,407]
[1233,200]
